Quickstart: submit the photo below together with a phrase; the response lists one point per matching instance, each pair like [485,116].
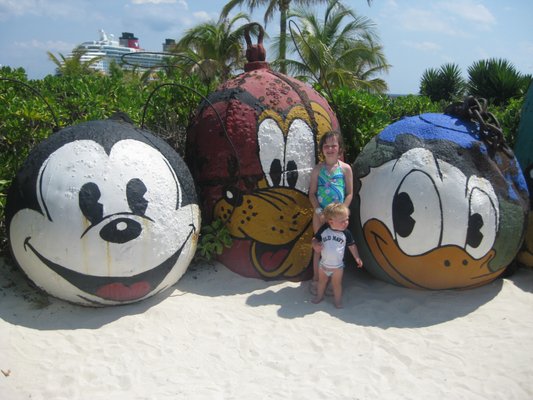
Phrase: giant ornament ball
[251,148]
[103,213]
[435,206]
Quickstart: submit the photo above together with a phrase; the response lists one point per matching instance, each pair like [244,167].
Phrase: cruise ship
[126,52]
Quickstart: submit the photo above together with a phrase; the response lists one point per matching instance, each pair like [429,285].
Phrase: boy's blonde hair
[333,210]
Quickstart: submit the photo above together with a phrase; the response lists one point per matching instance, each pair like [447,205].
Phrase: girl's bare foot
[316,300]
[339,305]
[313,287]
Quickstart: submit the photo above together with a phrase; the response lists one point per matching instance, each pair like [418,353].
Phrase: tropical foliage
[213,49]
[283,6]
[363,115]
[341,50]
[496,80]
[445,83]
[73,65]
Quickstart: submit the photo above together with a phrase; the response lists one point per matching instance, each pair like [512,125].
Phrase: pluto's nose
[121,230]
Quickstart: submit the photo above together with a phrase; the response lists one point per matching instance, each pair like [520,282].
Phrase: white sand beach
[217,335]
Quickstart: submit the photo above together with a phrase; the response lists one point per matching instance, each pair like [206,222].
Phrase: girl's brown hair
[331,134]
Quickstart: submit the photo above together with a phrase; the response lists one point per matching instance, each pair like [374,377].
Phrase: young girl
[331,182]
[330,242]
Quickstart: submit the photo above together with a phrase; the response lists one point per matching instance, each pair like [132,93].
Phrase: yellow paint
[446,267]
[277,220]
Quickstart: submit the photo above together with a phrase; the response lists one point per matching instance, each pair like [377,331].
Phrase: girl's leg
[316,256]
[321,287]
[336,282]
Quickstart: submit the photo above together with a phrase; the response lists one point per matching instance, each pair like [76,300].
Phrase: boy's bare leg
[336,283]
[314,282]
[321,287]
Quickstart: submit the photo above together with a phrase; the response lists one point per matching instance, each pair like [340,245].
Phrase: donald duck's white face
[113,228]
[427,224]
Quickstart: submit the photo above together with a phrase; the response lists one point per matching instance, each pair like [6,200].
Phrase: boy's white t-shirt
[334,242]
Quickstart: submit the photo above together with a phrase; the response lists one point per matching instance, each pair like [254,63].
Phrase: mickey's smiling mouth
[114,288]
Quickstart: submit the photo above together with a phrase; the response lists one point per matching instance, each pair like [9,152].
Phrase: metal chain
[490,130]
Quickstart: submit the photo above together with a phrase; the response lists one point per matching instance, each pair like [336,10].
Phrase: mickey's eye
[416,214]
[88,202]
[135,190]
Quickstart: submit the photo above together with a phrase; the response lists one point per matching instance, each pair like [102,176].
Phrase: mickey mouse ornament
[103,213]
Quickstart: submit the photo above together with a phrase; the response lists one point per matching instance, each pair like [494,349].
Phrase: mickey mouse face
[116,220]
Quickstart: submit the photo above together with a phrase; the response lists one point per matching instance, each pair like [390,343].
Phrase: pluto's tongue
[120,292]
[271,260]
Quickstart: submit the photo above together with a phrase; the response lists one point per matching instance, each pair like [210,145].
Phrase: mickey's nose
[121,230]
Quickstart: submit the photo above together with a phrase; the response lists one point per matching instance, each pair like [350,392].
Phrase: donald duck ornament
[438,205]
[103,213]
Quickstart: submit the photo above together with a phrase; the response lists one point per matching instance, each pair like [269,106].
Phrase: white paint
[298,146]
[443,200]
[67,236]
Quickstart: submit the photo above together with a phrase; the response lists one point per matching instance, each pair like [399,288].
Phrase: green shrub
[214,237]
[363,115]
[509,118]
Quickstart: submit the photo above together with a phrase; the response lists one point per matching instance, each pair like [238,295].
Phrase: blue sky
[416,34]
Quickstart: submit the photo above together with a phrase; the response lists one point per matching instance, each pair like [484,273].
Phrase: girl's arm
[355,254]
[313,187]
[317,245]
[348,182]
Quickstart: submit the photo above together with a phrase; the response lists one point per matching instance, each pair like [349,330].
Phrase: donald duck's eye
[482,223]
[416,214]
[474,235]
[402,209]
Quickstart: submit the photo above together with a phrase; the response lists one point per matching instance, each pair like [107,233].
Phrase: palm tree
[445,83]
[73,65]
[215,49]
[337,53]
[271,5]
[496,80]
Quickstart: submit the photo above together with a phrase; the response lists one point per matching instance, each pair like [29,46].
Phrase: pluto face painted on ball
[103,213]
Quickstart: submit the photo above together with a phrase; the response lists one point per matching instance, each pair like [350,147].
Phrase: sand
[216,335]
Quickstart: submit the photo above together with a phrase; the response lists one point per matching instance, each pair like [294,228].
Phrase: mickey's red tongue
[119,292]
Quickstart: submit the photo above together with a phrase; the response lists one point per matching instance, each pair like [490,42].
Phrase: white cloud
[51,8]
[428,21]
[202,16]
[49,45]
[423,46]
[470,11]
